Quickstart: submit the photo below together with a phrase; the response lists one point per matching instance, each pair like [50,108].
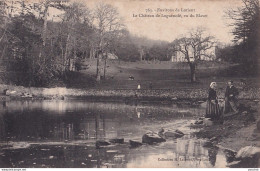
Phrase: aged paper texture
[129,84]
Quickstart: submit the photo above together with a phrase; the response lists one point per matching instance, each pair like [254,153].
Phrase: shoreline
[10,92]
[237,131]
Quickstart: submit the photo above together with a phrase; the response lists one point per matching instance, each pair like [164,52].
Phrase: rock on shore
[134,144]
[170,133]
[152,137]
[248,152]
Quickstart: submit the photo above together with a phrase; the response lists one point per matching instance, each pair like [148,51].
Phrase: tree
[3,27]
[3,19]
[107,22]
[193,48]
[77,22]
[245,22]
[159,52]
[22,66]
[125,48]
[27,45]
[225,53]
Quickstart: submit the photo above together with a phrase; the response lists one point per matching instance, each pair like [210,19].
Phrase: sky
[168,29]
[161,28]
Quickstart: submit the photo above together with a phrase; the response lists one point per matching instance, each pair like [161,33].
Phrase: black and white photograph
[129,84]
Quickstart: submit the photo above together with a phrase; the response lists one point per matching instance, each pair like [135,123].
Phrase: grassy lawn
[162,75]
[168,80]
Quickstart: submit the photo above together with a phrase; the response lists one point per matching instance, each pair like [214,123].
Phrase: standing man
[231,98]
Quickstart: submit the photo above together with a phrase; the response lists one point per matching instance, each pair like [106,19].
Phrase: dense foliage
[245,22]
[37,48]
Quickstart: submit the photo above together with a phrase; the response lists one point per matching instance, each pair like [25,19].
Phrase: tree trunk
[141,54]
[66,53]
[92,53]
[62,52]
[192,72]
[44,31]
[3,52]
[99,56]
[98,70]
[74,56]
[3,34]
[105,67]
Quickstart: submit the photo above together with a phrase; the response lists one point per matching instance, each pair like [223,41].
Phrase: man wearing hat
[231,98]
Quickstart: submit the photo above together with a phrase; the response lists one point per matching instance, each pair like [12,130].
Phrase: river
[59,134]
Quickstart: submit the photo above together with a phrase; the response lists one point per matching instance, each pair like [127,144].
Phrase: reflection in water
[138,113]
[189,147]
[185,152]
[213,156]
[63,120]
[60,134]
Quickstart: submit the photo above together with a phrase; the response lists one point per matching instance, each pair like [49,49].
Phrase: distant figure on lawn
[213,111]
[131,77]
[231,98]
[138,86]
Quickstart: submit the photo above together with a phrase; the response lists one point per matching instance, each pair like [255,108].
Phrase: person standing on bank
[213,110]
[231,98]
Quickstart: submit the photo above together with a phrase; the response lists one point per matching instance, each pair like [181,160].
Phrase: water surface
[63,134]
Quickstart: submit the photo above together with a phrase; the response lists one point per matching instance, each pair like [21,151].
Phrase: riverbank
[62,93]
[237,131]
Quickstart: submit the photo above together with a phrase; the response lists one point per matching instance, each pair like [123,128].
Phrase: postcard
[129,84]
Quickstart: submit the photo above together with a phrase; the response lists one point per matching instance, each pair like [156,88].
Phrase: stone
[10,93]
[134,144]
[100,143]
[169,133]
[207,122]
[152,137]
[233,164]
[248,152]
[117,140]
[179,132]
[198,122]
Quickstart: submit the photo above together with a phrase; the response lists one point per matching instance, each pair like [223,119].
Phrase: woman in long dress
[213,111]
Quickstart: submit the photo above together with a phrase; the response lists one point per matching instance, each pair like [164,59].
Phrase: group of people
[213,109]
